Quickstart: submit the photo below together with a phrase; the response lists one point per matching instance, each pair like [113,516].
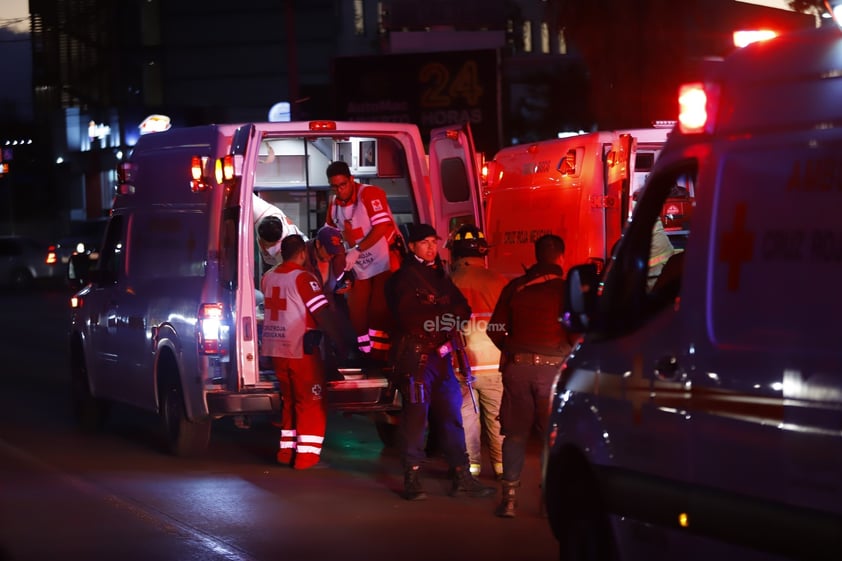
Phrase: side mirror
[580,297]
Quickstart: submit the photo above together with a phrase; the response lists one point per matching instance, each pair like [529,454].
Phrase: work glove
[351,257]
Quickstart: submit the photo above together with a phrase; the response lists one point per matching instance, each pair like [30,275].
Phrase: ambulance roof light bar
[697,103]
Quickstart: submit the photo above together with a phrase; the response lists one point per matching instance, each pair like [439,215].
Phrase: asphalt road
[117,495]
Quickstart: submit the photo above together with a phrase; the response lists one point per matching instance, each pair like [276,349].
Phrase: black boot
[412,490]
[463,481]
[506,509]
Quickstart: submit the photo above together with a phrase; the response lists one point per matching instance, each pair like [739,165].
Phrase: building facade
[542,67]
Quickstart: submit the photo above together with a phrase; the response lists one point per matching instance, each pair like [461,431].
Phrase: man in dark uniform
[525,327]
[428,309]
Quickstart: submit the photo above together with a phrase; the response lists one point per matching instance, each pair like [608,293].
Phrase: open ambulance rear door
[237,247]
[454,179]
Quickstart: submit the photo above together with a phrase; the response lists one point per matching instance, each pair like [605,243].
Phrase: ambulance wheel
[89,412]
[185,438]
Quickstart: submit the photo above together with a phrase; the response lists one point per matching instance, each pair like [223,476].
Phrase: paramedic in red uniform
[296,315]
[533,343]
[362,213]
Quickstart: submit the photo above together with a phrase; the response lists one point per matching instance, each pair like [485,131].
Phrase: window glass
[645,275]
[454,179]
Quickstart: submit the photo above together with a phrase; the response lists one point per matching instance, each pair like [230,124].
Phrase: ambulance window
[454,178]
[644,161]
[645,274]
[570,164]
[111,257]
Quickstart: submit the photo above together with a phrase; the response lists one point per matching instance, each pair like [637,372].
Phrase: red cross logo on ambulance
[736,247]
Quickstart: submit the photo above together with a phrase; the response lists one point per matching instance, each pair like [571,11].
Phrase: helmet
[467,241]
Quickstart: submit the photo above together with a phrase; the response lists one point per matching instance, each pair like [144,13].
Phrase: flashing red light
[322,125]
[696,103]
[196,167]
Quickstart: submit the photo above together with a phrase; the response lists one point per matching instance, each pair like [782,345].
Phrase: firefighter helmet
[467,241]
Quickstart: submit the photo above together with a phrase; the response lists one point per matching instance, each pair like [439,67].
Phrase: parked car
[23,263]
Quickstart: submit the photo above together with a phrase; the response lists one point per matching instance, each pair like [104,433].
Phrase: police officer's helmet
[467,241]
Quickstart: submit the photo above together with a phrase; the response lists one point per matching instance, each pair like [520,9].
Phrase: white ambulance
[701,417]
[580,187]
[169,320]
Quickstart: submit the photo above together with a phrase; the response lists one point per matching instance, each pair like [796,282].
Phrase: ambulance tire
[185,438]
[89,412]
[576,512]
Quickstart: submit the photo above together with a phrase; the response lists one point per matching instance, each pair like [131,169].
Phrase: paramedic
[296,315]
[272,226]
[481,287]
[533,344]
[426,307]
[362,213]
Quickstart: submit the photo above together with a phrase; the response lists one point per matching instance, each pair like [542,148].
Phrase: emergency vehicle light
[745,37]
[210,329]
[491,174]
[224,169]
[696,107]
[322,125]
[197,168]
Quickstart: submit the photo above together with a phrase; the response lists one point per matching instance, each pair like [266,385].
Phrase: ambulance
[579,187]
[168,320]
[700,417]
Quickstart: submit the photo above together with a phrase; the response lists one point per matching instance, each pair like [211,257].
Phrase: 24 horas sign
[428,89]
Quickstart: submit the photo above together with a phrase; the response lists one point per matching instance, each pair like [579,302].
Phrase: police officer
[481,287]
[525,327]
[427,307]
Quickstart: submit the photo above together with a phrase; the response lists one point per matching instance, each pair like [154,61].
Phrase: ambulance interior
[291,175]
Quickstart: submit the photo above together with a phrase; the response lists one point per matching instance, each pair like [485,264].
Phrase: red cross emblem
[275,303]
[736,247]
[353,235]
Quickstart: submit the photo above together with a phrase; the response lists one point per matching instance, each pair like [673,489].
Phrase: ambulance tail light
[210,329]
[198,182]
[697,104]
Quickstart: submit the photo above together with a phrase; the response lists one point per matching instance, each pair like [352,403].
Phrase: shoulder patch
[315,286]
[377,205]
